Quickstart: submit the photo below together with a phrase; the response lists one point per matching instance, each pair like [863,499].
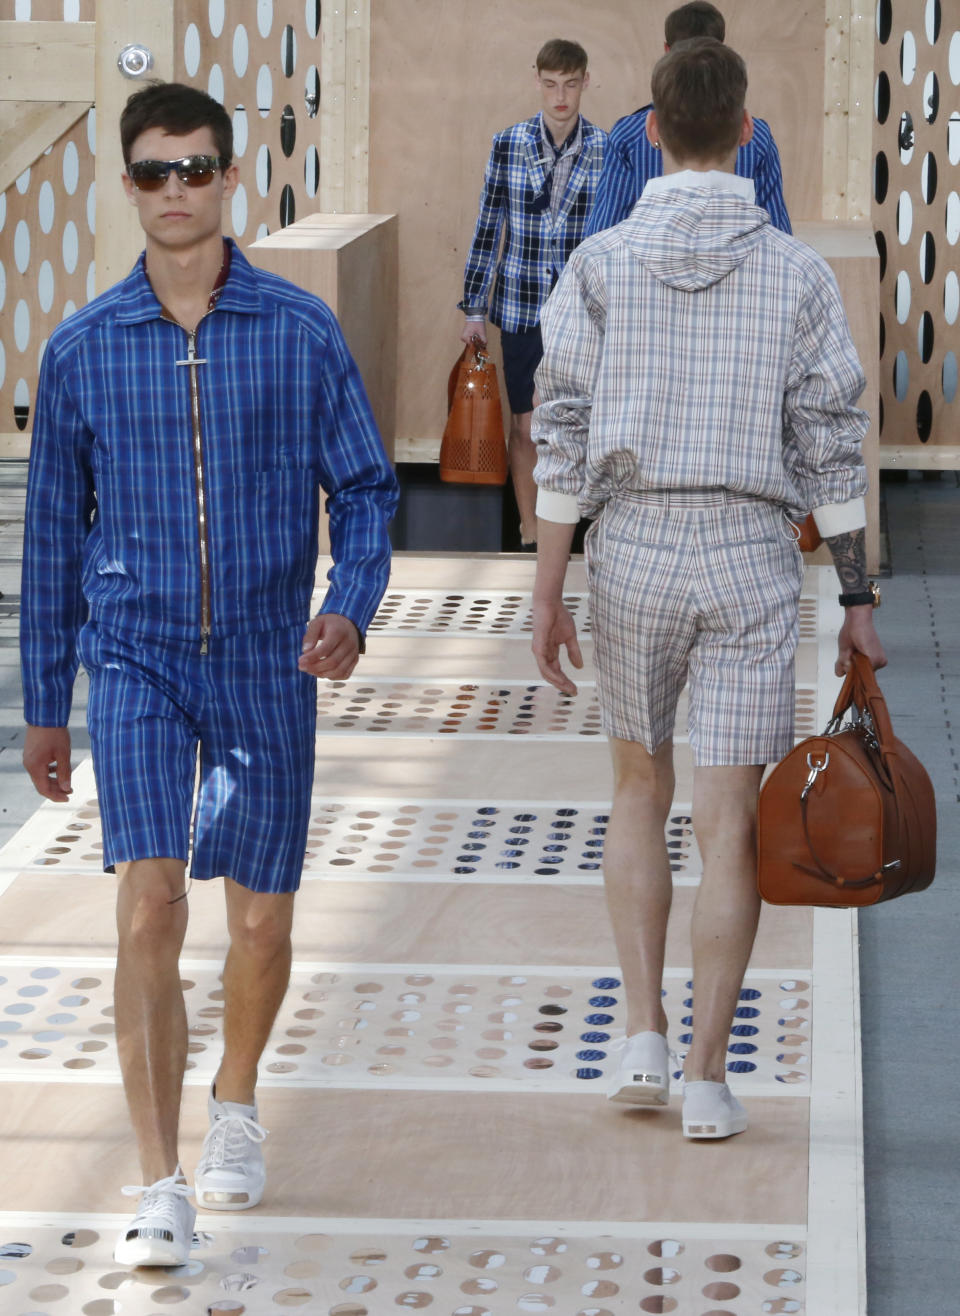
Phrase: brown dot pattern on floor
[242,1271]
[374,1025]
[482,709]
[522,842]
[495,613]
[491,612]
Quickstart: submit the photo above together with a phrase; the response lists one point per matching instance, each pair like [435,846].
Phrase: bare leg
[637,879]
[523,458]
[726,911]
[150,1014]
[255,978]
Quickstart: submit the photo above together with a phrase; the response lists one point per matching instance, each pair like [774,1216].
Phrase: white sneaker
[710,1110]
[161,1233]
[231,1173]
[643,1074]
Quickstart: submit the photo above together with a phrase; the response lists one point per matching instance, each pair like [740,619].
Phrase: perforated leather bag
[473,450]
[847,818]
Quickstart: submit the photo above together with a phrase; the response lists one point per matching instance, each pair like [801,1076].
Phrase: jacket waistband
[716,497]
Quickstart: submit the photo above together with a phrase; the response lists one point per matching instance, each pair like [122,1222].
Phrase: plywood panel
[28,129]
[443,83]
[119,238]
[43,61]
[917,215]
[488,1155]
[351,262]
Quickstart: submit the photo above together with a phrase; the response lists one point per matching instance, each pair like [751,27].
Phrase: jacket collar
[138,302]
[583,163]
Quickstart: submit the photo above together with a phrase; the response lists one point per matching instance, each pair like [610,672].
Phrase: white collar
[717,180]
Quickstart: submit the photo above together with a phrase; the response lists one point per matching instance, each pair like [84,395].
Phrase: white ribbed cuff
[840,518]
[560,507]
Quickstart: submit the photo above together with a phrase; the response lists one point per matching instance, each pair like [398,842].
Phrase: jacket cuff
[840,518]
[561,507]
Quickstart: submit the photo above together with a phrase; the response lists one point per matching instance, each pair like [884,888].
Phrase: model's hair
[178,110]
[698,19]
[699,88]
[558,56]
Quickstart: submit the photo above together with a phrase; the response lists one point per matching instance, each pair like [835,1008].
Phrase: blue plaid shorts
[205,758]
[696,587]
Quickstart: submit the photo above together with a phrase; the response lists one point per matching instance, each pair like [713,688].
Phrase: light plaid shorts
[697,587]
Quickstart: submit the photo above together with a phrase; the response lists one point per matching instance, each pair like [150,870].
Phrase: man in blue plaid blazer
[537,194]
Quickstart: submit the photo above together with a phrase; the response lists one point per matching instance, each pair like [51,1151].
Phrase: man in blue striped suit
[537,194]
[631,158]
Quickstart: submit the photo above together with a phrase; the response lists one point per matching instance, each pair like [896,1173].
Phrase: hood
[693,237]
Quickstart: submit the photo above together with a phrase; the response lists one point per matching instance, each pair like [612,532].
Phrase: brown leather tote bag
[847,818]
[473,450]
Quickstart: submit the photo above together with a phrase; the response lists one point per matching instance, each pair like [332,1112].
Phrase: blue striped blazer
[630,161]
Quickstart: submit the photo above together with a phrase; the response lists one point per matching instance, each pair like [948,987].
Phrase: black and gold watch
[870,595]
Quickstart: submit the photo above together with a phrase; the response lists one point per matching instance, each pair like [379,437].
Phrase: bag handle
[860,690]
[473,357]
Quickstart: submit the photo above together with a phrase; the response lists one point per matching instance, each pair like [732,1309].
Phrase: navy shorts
[522,353]
[205,758]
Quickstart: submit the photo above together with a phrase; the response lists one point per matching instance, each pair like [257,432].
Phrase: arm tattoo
[849,554]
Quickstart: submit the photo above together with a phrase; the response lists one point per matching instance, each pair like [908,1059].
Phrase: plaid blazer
[535,245]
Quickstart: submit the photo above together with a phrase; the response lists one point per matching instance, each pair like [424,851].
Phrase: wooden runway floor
[434,1085]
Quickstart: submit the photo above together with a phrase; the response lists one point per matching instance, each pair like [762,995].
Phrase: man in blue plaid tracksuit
[631,160]
[186,422]
[537,195]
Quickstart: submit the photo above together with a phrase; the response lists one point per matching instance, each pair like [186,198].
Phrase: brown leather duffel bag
[849,817]
[473,450]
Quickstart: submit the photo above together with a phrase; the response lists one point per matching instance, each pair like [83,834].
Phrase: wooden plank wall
[445,78]
[917,213]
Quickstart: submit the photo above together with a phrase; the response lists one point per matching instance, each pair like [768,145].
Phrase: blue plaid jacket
[535,246]
[111,518]
[630,160]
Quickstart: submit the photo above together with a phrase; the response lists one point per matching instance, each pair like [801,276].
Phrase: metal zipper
[192,361]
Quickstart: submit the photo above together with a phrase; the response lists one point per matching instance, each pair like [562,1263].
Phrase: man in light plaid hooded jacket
[698,383]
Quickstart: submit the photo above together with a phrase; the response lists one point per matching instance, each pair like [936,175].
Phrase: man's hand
[331,647]
[554,627]
[474,329]
[859,634]
[46,756]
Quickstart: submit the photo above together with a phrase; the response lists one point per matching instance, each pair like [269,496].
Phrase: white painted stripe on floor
[250,1222]
[109,1077]
[368,966]
[836,1270]
[426,878]
[836,1261]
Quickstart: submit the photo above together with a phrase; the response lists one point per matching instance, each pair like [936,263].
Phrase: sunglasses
[192,170]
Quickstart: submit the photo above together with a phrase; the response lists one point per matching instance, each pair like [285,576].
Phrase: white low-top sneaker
[161,1233]
[710,1110]
[231,1173]
[642,1077]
